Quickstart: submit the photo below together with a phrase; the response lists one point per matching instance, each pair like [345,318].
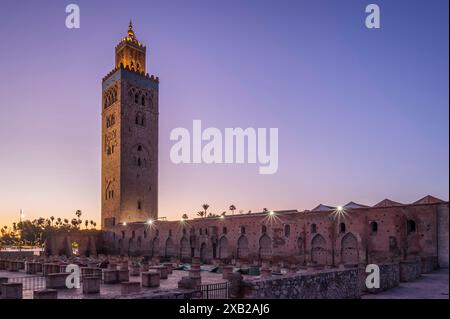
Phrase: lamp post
[20,232]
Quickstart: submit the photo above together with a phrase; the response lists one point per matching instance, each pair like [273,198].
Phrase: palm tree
[52,218]
[201,213]
[232,208]
[185,216]
[265,210]
[94,224]
[205,207]
[86,223]
[58,221]
[78,213]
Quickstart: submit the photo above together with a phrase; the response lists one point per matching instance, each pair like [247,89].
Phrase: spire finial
[130,30]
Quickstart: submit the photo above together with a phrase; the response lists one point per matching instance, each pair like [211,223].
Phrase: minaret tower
[129,137]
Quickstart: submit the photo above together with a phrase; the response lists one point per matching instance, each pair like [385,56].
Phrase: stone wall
[410,269]
[443,239]
[429,264]
[333,284]
[389,278]
[16,254]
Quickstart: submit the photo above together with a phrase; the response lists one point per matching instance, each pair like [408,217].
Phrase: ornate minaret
[129,137]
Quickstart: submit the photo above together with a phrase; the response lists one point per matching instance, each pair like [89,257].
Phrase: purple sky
[362,114]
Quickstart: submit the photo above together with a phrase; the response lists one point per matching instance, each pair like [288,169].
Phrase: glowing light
[271,213]
[339,213]
[149,222]
[124,223]
[222,216]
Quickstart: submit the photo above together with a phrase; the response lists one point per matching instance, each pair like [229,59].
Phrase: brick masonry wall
[215,238]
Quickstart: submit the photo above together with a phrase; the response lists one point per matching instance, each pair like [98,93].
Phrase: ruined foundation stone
[91,285]
[410,270]
[110,276]
[11,290]
[56,281]
[130,287]
[45,294]
[150,279]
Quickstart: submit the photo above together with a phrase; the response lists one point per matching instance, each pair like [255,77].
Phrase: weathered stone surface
[128,287]
[56,281]
[110,276]
[226,270]
[135,270]
[389,277]
[11,291]
[410,270]
[187,283]
[163,271]
[429,264]
[333,284]
[91,285]
[169,267]
[123,275]
[150,279]
[45,294]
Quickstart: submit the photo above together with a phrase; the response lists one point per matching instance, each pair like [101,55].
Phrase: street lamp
[22,216]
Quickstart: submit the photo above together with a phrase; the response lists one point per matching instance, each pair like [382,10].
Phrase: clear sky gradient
[362,114]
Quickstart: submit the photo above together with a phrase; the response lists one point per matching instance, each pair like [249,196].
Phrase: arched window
[224,230]
[373,228]
[342,228]
[143,120]
[263,229]
[242,230]
[145,234]
[139,148]
[123,234]
[133,234]
[410,226]
[287,230]
[136,98]
[139,205]
[143,101]
[139,162]
[313,228]
[136,120]
[200,231]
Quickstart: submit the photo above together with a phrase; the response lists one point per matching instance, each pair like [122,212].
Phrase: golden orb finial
[130,30]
